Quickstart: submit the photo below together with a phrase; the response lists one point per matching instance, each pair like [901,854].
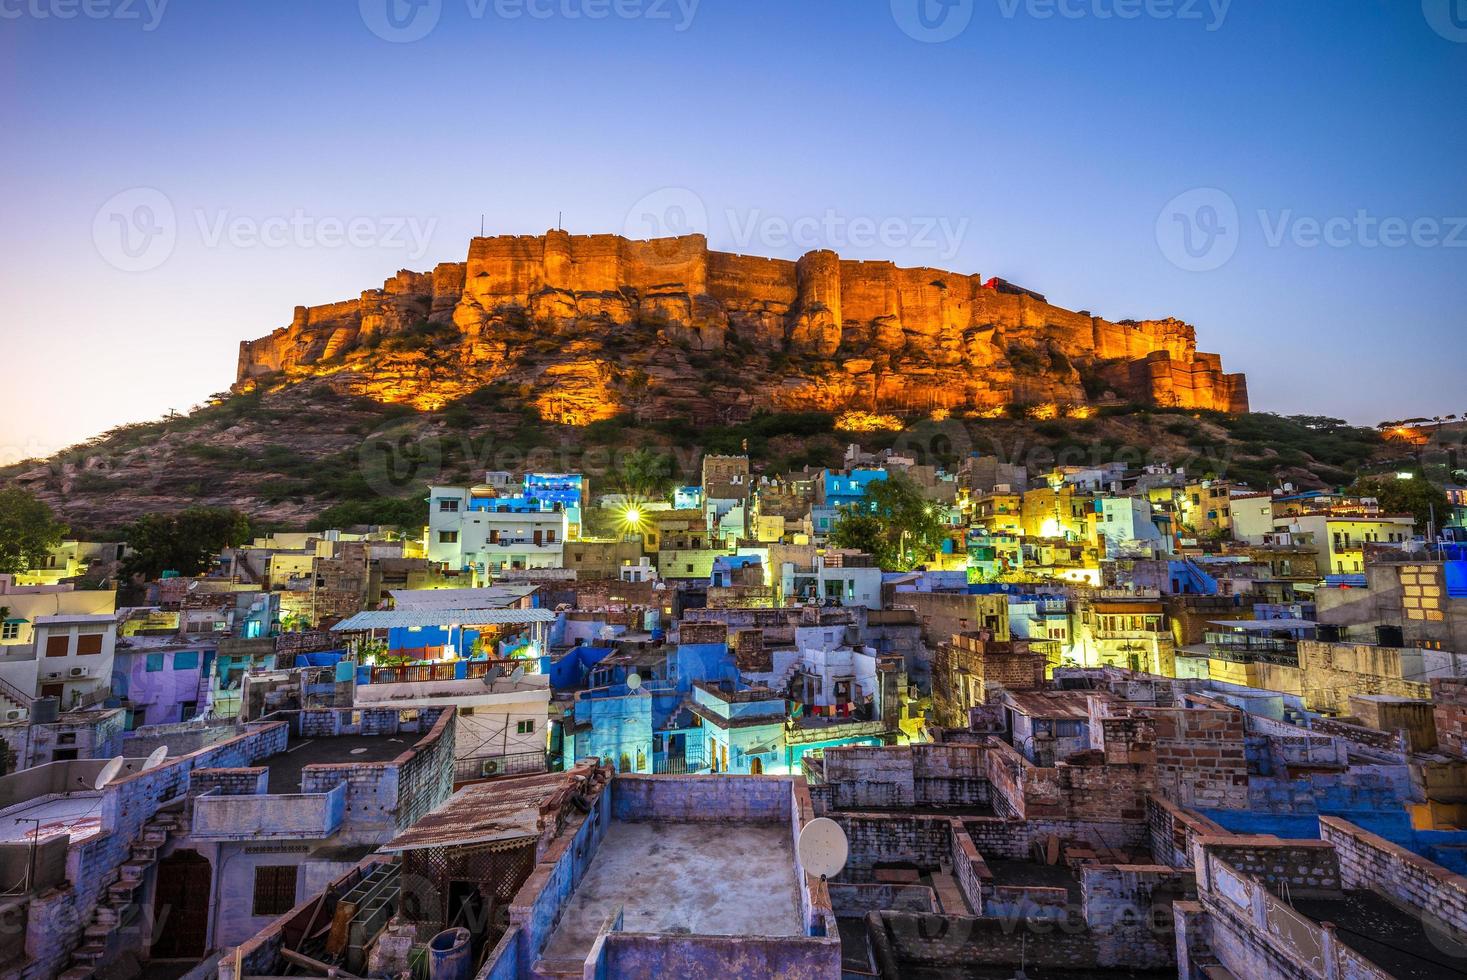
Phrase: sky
[177,175]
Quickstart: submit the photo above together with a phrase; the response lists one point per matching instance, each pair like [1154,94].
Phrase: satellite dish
[634,681]
[516,674]
[155,758]
[109,772]
[823,848]
[491,675]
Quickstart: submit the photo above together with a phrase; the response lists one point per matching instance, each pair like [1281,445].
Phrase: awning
[1265,624]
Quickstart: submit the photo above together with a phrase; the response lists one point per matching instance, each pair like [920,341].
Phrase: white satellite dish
[155,758]
[109,772]
[634,681]
[823,848]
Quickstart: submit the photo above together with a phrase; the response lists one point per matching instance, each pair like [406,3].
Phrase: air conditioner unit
[78,672]
[54,675]
[15,714]
[490,767]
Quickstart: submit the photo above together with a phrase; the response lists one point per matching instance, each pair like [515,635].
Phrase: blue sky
[295,156]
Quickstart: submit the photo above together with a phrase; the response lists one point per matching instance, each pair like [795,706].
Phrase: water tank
[45,711]
[449,955]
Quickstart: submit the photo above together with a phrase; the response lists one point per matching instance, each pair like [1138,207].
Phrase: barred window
[274,889]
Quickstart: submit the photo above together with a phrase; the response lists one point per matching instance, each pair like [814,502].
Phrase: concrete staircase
[118,896]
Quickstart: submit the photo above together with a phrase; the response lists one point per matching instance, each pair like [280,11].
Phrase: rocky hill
[597,325]
[616,358]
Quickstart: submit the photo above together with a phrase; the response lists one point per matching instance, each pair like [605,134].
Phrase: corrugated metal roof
[490,597]
[506,809]
[382,619]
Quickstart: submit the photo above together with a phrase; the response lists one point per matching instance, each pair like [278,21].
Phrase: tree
[897,525]
[28,531]
[185,542]
[1416,496]
[645,474]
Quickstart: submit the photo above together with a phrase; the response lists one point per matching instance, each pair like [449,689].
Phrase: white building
[470,528]
[1125,524]
[54,642]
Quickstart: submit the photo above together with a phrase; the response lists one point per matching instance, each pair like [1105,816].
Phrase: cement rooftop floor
[704,879]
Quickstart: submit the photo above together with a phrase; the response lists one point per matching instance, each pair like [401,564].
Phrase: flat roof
[1383,934]
[285,767]
[382,619]
[702,879]
[77,813]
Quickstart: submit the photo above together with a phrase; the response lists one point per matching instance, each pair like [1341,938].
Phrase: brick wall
[245,781]
[1450,713]
[1173,832]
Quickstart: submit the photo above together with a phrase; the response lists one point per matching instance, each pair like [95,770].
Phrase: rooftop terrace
[708,879]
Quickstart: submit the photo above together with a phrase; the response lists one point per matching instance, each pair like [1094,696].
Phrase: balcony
[285,816]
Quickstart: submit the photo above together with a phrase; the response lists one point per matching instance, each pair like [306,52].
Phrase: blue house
[848,489]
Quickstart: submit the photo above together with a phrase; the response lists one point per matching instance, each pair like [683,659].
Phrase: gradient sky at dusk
[1053,144]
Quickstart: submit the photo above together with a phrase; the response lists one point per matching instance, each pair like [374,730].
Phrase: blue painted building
[848,489]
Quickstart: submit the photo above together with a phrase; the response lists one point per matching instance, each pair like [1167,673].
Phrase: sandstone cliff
[590,326]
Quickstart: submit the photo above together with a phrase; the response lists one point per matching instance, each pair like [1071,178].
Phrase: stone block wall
[1450,713]
[701,799]
[245,781]
[1413,883]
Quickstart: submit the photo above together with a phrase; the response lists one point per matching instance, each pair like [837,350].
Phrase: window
[448,506]
[10,630]
[525,727]
[186,660]
[57,646]
[88,644]
[274,889]
[448,537]
[155,662]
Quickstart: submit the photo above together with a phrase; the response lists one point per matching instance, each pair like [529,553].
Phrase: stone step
[143,852]
[77,973]
[91,952]
[98,932]
[122,890]
[134,870]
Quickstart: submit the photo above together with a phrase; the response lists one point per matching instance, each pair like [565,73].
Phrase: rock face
[568,315]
